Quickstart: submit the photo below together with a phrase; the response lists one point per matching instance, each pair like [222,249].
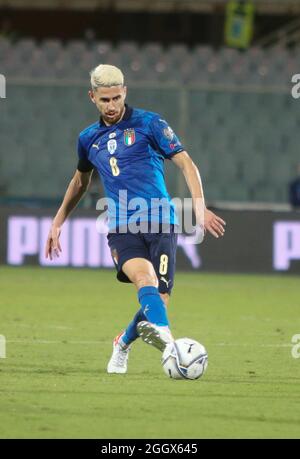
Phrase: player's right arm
[75,191]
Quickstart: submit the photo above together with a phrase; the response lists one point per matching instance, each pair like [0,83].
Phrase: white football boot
[119,358]
[152,334]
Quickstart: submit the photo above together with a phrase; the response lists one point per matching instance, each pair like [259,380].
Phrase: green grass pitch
[59,325]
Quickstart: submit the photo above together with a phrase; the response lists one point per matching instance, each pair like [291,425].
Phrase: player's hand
[213,223]
[53,245]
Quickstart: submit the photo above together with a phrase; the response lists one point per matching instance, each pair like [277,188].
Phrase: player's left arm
[204,217]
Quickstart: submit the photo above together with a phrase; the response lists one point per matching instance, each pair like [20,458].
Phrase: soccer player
[128,146]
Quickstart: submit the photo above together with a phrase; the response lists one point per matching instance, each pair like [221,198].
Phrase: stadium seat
[253,167]
[235,113]
[282,173]
[75,49]
[236,191]
[39,66]
[128,49]
[153,53]
[52,50]
[177,53]
[269,193]
[101,49]
[5,49]
[24,49]
[214,192]
[202,54]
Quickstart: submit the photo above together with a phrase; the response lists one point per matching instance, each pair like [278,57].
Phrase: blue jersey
[129,157]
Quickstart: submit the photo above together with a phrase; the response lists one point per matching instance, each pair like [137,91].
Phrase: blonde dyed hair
[106,76]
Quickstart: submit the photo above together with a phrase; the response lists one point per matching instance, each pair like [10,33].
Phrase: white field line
[88,343]
[51,327]
[64,327]
[44,341]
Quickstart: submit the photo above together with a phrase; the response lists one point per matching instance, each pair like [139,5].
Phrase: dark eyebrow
[107,99]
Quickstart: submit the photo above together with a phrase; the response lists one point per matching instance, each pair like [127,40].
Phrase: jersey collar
[126,117]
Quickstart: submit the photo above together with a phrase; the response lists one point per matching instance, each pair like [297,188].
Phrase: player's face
[110,102]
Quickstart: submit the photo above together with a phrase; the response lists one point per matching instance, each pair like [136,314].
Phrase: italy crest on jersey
[112,146]
[129,137]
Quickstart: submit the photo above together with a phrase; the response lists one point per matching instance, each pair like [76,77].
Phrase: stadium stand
[232,109]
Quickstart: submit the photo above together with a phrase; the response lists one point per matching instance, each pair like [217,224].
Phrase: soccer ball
[185,358]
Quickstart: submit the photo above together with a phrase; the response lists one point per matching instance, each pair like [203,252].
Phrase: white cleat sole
[151,335]
[118,371]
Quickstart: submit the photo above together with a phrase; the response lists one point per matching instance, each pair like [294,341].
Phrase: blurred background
[219,71]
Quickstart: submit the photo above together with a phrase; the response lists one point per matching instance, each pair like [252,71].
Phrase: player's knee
[144,279]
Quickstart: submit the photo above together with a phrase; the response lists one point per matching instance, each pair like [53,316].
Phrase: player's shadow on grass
[79,370]
[52,370]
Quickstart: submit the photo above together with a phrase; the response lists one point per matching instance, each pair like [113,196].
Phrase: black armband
[84,165]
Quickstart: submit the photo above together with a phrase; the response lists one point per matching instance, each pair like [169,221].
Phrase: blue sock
[131,334]
[153,306]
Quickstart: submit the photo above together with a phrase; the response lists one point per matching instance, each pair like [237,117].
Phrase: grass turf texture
[59,325]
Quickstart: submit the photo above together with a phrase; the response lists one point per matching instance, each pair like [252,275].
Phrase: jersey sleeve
[164,138]
[84,165]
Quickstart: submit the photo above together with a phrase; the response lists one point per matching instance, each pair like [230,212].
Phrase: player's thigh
[163,257]
[141,272]
[125,247]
